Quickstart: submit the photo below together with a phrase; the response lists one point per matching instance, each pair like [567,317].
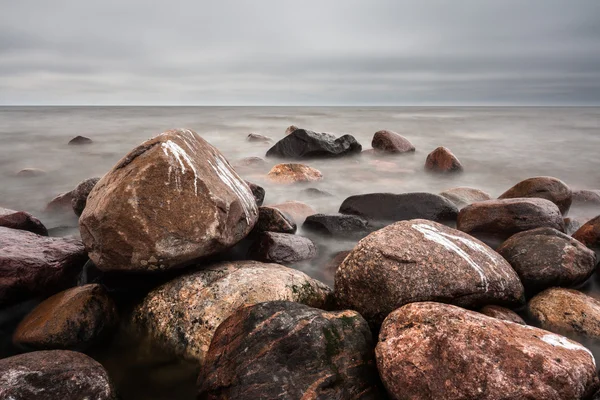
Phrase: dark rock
[391,142]
[273,220]
[298,210]
[60,204]
[589,233]
[349,226]
[81,193]
[294,173]
[316,193]
[288,350]
[32,265]
[502,313]
[79,140]
[572,225]
[438,351]
[422,260]
[72,320]
[463,196]
[258,192]
[54,375]
[441,160]
[283,248]
[543,187]
[545,257]
[302,144]
[255,137]
[21,220]
[31,172]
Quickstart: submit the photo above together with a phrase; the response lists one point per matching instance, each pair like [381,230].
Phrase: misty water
[498,147]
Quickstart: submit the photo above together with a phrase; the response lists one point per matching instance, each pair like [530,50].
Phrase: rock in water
[442,160]
[294,173]
[391,142]
[31,172]
[543,187]
[341,226]
[54,375]
[273,220]
[73,320]
[60,204]
[502,313]
[171,200]
[287,350]
[589,233]
[545,257]
[183,314]
[79,140]
[422,260]
[21,220]
[463,196]
[302,144]
[255,137]
[290,129]
[438,351]
[81,193]
[298,210]
[258,192]
[282,248]
[32,265]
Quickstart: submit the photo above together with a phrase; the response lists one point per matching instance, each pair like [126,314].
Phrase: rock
[463,196]
[54,375]
[287,350]
[74,320]
[566,311]
[384,208]
[272,220]
[439,351]
[79,140]
[344,226]
[545,257]
[184,313]
[81,193]
[589,233]
[31,172]
[60,204]
[255,137]
[32,265]
[391,142]
[258,192]
[290,129]
[250,162]
[422,260]
[543,187]
[502,313]
[442,160]
[298,210]
[282,248]
[294,173]
[21,220]
[303,144]
[316,193]
[171,200]
[503,218]
[586,199]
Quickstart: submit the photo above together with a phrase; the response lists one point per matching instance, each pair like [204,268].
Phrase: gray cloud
[310,52]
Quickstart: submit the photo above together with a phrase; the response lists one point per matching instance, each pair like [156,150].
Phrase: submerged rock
[171,200]
[60,204]
[502,313]
[283,248]
[273,220]
[442,160]
[421,260]
[391,142]
[463,196]
[586,201]
[31,172]
[288,350]
[438,351]
[337,225]
[316,193]
[302,144]
[250,162]
[81,193]
[79,140]
[298,210]
[543,187]
[21,220]
[294,173]
[255,137]
[589,233]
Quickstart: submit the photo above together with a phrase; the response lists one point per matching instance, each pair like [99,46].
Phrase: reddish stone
[21,220]
[391,142]
[589,233]
[543,187]
[442,160]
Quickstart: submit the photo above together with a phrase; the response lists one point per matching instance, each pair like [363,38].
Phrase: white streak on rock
[559,341]
[176,152]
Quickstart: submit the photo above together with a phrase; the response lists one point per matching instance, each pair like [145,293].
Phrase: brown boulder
[442,160]
[391,142]
[273,220]
[543,187]
[81,193]
[502,313]
[293,173]
[298,210]
[282,248]
[287,350]
[171,200]
[21,220]
[438,351]
[589,233]
[463,196]
[422,260]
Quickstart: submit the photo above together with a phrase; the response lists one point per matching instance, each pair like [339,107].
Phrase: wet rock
[255,137]
[258,192]
[250,162]
[81,193]
[439,351]
[566,311]
[343,226]
[589,233]
[463,196]
[273,220]
[503,218]
[60,204]
[21,220]
[422,260]
[384,208]
[54,375]
[502,313]
[171,200]
[33,266]
[183,314]
[31,172]
[283,248]
[288,350]
[80,140]
[316,193]
[442,160]
[391,142]
[290,129]
[545,257]
[298,210]
[543,187]
[73,320]
[586,199]
[303,144]
[294,173]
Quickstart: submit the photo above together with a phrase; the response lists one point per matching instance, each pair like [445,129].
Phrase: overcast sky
[280,52]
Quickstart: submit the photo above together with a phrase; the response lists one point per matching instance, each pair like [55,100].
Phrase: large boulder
[294,173]
[381,209]
[36,266]
[543,187]
[589,233]
[337,225]
[303,144]
[54,375]
[442,160]
[502,313]
[438,351]
[282,248]
[74,320]
[171,200]
[273,220]
[545,257]
[311,354]
[21,220]
[298,210]
[421,260]
[81,193]
[183,314]
[391,142]
[503,218]
[463,196]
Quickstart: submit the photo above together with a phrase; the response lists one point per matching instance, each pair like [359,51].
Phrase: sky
[281,52]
